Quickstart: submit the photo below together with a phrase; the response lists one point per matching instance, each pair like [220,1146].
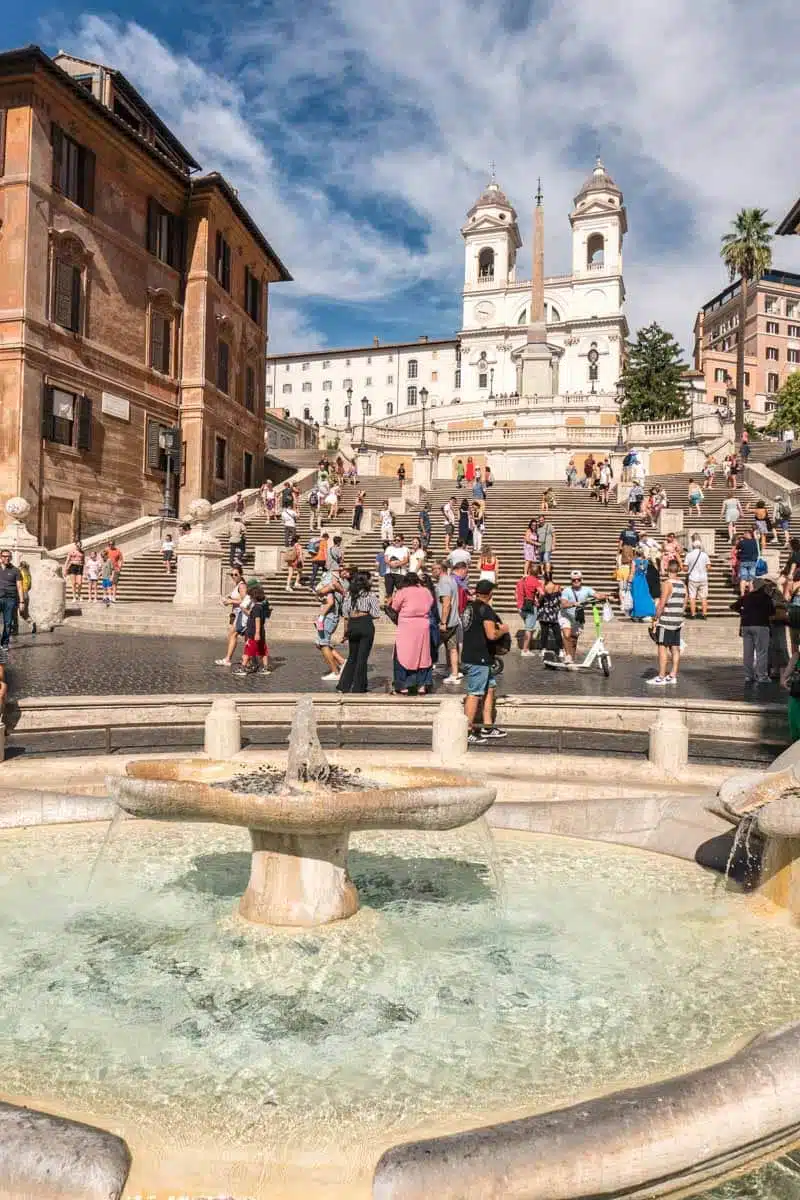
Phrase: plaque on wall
[115,406]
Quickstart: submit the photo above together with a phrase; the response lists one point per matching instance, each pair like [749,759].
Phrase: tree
[787,406]
[651,378]
[747,253]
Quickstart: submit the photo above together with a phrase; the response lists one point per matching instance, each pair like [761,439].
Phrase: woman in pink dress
[413,667]
[470,470]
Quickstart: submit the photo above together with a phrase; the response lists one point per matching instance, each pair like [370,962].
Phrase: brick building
[133,298]
[772,340]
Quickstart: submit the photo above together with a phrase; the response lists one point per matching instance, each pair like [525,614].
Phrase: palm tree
[747,253]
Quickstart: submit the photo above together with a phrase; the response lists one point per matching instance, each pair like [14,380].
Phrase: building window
[390,358]
[389,408]
[164,234]
[369,360]
[772,381]
[368,381]
[306,414]
[791,308]
[793,356]
[250,390]
[287,389]
[411,396]
[327,385]
[793,330]
[306,387]
[156,454]
[770,304]
[434,353]
[595,250]
[326,413]
[67,295]
[67,418]
[347,362]
[720,399]
[390,379]
[773,327]
[222,262]
[720,375]
[772,353]
[413,368]
[486,263]
[223,365]
[252,296]
[286,368]
[434,376]
[269,389]
[326,362]
[247,469]
[220,459]
[160,343]
[747,379]
[483,379]
[73,169]
[125,113]
[347,383]
[305,366]
[457,379]
[347,412]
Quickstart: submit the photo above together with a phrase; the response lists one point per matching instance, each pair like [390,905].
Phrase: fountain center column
[299,879]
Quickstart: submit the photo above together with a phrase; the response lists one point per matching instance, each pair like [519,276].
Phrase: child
[92,569]
[549,613]
[696,498]
[167,553]
[107,577]
[255,639]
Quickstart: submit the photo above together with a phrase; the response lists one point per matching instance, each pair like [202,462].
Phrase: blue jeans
[8,605]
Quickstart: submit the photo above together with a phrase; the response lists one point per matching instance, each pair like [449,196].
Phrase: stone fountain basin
[405,798]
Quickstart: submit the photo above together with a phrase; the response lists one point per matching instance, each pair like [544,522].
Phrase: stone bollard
[669,741]
[450,730]
[223,729]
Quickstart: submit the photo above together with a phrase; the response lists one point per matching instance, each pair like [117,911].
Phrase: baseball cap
[576,574]
[485,587]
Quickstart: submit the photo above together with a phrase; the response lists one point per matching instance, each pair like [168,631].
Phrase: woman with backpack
[696,497]
[294,564]
[782,519]
[234,601]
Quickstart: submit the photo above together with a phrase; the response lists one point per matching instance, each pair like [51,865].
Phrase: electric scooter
[597,654]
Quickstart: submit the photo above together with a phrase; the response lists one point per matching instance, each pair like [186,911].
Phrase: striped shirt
[365,605]
[672,617]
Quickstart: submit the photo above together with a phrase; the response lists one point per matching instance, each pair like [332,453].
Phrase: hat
[485,587]
[576,574]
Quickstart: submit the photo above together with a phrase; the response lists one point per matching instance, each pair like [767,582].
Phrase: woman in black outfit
[360,611]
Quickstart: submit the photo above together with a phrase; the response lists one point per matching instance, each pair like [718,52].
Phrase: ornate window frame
[160,303]
[65,246]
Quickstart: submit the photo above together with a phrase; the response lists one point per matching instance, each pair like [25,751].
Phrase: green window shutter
[87,179]
[48,423]
[75,300]
[84,423]
[152,226]
[57,138]
[157,342]
[63,294]
[153,448]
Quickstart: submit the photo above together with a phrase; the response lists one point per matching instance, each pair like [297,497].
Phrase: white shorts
[698,590]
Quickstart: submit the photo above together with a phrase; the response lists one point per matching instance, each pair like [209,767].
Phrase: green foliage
[652,378]
[332,444]
[787,412]
[746,249]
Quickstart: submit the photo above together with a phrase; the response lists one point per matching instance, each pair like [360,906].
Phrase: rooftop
[372,348]
[776,278]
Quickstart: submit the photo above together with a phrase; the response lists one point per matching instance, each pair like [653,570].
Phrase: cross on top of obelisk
[539,194]
[492,169]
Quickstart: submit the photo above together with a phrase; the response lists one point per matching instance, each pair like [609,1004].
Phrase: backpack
[313,498]
[784,510]
[463,598]
[313,546]
[286,497]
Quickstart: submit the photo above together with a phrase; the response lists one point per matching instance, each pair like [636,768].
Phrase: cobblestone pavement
[73,663]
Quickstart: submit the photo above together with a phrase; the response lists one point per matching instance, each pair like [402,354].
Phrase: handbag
[626,603]
[761,567]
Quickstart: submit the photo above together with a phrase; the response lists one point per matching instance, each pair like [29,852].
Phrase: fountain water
[300,832]
[770,808]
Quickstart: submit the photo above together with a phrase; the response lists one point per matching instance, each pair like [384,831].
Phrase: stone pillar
[422,470]
[48,589]
[670,520]
[223,729]
[367,462]
[269,560]
[707,540]
[669,741]
[200,555]
[450,729]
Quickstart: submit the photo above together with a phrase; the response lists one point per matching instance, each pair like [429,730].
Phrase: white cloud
[405,104]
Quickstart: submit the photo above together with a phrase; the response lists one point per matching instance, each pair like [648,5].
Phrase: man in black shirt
[482,626]
[757,610]
[11,596]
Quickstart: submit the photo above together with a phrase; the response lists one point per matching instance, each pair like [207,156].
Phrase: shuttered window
[247,469]
[223,366]
[222,263]
[252,295]
[67,418]
[67,288]
[250,389]
[160,343]
[73,169]
[165,235]
[220,459]
[156,457]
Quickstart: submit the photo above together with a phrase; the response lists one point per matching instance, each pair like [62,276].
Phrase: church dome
[598,181]
[492,196]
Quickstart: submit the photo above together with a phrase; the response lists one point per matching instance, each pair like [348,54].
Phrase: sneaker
[659,680]
[453,679]
[476,739]
[330,676]
[494,732]
[242,671]
[526,654]
[222,662]
[670,678]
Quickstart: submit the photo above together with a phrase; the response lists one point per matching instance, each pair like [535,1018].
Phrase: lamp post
[692,438]
[491,383]
[423,399]
[169,444]
[620,402]
[362,449]
[593,357]
[349,410]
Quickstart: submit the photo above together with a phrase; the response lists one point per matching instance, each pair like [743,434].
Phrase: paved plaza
[68,663]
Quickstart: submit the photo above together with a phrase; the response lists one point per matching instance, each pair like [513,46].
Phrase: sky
[359,133]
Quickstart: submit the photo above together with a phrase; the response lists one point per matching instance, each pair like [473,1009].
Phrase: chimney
[423,337]
[376,342]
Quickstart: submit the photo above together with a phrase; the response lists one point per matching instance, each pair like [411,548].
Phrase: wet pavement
[68,662]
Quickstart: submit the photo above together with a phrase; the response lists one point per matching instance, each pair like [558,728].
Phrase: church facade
[578,318]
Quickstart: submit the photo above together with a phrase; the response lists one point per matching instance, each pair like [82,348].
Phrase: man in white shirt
[697,578]
[289,518]
[460,557]
[397,558]
[788,441]
[638,473]
[450,521]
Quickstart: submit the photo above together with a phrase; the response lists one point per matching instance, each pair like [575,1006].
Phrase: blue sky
[360,133]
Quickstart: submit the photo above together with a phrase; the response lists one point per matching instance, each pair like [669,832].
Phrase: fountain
[769,809]
[300,828]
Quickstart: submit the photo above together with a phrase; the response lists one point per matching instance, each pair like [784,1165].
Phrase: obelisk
[537,356]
